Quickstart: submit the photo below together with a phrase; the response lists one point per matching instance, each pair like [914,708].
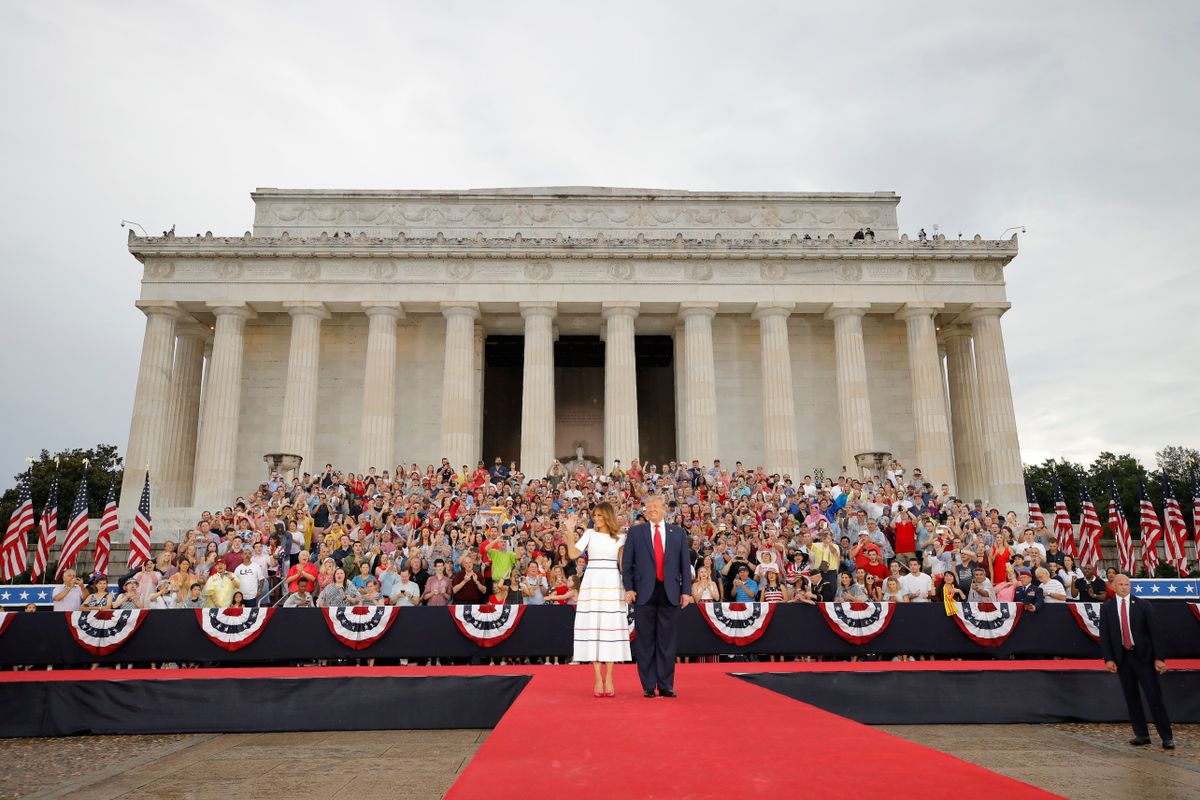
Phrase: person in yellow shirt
[825,553]
[219,588]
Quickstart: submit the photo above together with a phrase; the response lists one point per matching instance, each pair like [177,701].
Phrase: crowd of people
[442,535]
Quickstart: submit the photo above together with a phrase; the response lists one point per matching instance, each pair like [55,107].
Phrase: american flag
[1035,511]
[49,533]
[1196,512]
[1064,529]
[1151,530]
[14,550]
[139,537]
[1089,528]
[1120,528]
[108,526]
[1175,541]
[77,530]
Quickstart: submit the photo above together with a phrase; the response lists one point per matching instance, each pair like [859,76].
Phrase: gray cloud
[1078,120]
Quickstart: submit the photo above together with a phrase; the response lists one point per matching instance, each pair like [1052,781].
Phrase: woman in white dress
[601,621]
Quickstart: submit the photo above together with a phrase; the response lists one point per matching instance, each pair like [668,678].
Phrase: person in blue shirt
[745,588]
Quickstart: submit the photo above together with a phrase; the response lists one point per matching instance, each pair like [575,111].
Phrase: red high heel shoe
[610,694]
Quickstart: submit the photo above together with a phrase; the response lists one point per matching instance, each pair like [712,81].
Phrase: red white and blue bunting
[737,623]
[858,623]
[6,617]
[101,632]
[233,628]
[359,626]
[628,621]
[988,624]
[487,625]
[1088,617]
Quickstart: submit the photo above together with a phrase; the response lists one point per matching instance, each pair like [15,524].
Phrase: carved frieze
[921,273]
[308,269]
[850,272]
[987,273]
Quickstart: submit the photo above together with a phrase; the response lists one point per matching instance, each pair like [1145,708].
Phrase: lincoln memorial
[376,328]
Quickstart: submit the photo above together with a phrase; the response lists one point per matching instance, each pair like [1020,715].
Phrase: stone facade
[350,327]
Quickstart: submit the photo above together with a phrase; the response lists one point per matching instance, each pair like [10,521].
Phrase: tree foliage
[103,469]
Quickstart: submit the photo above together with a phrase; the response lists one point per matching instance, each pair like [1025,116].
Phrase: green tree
[1178,462]
[103,470]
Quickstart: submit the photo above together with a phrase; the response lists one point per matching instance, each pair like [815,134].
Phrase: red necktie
[1126,635]
[658,552]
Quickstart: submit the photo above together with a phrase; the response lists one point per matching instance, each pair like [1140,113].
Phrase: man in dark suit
[1131,646]
[658,583]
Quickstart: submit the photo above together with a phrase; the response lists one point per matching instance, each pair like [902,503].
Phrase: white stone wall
[739,389]
[420,348]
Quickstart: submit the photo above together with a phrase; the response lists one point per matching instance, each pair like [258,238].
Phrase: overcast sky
[1078,120]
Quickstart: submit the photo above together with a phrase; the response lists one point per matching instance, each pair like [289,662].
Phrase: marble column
[854,399]
[964,412]
[700,383]
[298,432]
[780,451]
[460,395]
[377,435]
[620,384]
[183,418]
[151,402]
[931,421]
[216,451]
[997,420]
[537,394]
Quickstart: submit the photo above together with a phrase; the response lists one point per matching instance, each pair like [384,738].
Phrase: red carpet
[721,738]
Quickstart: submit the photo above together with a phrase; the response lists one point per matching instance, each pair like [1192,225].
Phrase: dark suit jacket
[638,567]
[1147,641]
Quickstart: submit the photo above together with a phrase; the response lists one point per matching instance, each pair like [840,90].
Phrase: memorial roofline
[518,246]
[563,193]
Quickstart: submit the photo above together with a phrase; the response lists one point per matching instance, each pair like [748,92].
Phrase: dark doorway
[503,376]
[656,398]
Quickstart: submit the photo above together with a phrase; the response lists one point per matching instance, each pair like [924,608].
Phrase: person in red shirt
[906,536]
[301,569]
[875,565]
[859,551]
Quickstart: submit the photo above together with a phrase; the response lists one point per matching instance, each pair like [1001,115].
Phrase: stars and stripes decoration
[487,625]
[101,632]
[359,626]
[1175,533]
[1064,529]
[1195,607]
[1120,528]
[14,550]
[1035,510]
[233,628]
[1196,512]
[737,623]
[1151,530]
[47,533]
[6,618]
[108,526]
[987,624]
[1089,528]
[1165,588]
[1088,617]
[629,621]
[858,623]
[77,531]
[139,536]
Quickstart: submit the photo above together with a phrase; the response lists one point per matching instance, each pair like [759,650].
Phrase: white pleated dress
[601,616]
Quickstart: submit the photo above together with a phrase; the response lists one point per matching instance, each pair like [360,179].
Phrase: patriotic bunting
[1175,535]
[48,533]
[1088,617]
[738,623]
[987,624]
[629,622]
[233,628]
[359,626]
[487,625]
[14,550]
[77,532]
[1089,528]
[1151,531]
[102,632]
[858,623]
[1120,528]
